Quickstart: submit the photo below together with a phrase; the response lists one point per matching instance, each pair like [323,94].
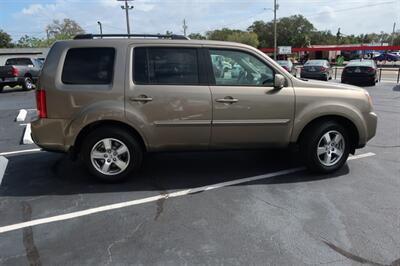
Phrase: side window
[177,66]
[88,66]
[11,61]
[236,68]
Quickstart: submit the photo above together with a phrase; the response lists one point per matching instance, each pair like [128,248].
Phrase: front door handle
[227,99]
[141,98]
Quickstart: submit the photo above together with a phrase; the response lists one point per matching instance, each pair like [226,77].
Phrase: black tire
[27,83]
[134,147]
[309,146]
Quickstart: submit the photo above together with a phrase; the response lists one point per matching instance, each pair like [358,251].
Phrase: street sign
[284,49]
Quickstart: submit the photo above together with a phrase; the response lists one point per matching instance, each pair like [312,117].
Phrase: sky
[30,17]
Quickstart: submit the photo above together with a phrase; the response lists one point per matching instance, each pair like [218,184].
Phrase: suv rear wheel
[325,146]
[111,154]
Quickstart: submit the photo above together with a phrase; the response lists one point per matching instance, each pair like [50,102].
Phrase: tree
[196,36]
[5,40]
[249,38]
[65,29]
[225,34]
[29,42]
[293,31]
[220,35]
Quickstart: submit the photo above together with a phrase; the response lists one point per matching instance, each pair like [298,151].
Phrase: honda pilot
[110,100]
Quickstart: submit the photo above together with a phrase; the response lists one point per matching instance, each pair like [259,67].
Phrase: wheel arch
[104,123]
[346,122]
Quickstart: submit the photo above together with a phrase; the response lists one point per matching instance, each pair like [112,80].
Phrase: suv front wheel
[325,147]
[111,154]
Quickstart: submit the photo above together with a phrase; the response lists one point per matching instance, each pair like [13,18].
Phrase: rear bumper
[313,75]
[48,134]
[358,79]
[7,81]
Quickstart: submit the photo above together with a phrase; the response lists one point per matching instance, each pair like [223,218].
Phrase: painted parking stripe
[363,155]
[180,193]
[27,139]
[20,152]
[3,167]
[21,115]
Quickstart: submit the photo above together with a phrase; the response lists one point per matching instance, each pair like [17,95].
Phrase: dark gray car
[316,69]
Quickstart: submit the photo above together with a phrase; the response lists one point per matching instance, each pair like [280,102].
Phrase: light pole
[127,7]
[101,29]
[275,37]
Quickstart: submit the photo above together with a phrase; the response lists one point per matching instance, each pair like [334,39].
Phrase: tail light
[41,103]
[322,68]
[286,68]
[14,71]
[370,70]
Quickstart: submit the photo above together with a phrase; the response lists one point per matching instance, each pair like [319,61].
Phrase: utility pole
[47,34]
[101,28]
[394,32]
[184,27]
[127,7]
[275,37]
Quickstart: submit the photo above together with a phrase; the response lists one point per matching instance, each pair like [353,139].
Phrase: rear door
[248,111]
[169,98]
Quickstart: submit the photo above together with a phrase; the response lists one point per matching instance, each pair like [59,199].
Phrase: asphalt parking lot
[202,208]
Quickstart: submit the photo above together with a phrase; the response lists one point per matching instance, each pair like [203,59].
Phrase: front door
[248,112]
[168,97]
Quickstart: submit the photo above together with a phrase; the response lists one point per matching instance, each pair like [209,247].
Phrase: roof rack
[159,36]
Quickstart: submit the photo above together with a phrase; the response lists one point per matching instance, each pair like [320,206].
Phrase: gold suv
[111,99]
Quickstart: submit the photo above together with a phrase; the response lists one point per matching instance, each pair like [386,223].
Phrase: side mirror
[279,81]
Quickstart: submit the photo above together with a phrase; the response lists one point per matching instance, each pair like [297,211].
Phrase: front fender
[320,109]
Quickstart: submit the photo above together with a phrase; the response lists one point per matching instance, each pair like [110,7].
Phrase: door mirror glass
[279,81]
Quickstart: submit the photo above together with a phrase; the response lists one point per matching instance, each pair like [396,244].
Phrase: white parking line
[180,193]
[21,115]
[18,152]
[359,156]
[27,139]
[3,167]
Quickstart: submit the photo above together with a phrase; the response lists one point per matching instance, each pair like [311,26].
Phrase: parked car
[387,57]
[316,69]
[20,71]
[360,71]
[288,66]
[110,100]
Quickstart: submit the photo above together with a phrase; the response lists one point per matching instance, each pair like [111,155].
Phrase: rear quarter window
[166,66]
[88,66]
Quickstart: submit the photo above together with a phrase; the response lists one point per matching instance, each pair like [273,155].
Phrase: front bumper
[372,123]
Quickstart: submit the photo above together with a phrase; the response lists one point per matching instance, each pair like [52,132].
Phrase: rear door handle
[141,98]
[227,100]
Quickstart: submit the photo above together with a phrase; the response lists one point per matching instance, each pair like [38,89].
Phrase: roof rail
[159,36]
